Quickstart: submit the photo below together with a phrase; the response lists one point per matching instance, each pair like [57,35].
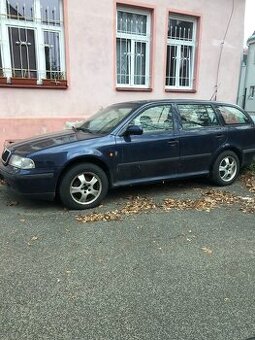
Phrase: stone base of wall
[19,128]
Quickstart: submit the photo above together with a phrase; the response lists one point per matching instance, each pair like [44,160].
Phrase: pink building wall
[90,54]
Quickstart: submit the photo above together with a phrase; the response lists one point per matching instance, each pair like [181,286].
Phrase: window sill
[3,80]
[181,90]
[32,83]
[134,89]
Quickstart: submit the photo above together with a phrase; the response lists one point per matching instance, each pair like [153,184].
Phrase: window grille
[1,65]
[32,44]
[133,48]
[20,9]
[180,52]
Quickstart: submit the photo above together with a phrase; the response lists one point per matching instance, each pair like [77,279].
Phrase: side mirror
[133,130]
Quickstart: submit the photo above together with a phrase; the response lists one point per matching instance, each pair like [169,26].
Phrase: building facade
[246,93]
[62,60]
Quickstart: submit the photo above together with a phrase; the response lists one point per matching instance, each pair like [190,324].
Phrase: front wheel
[83,186]
[226,168]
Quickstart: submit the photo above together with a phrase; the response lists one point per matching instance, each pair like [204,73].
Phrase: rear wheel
[226,168]
[83,186]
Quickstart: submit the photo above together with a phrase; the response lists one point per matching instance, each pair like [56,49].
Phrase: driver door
[154,154]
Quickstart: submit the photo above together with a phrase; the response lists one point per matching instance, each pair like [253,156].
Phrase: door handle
[173,142]
[220,135]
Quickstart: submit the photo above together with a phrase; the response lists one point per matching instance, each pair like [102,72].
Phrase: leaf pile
[95,217]
[134,206]
[248,205]
[249,180]
[208,201]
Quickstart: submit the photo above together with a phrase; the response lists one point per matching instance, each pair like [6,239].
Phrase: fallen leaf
[134,206]
[207,250]
[34,238]
[249,180]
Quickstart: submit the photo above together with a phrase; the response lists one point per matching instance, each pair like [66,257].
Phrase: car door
[155,153]
[241,130]
[201,134]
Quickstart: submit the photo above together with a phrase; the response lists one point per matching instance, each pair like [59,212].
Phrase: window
[156,119]
[32,39]
[197,116]
[181,44]
[133,47]
[252,92]
[231,115]
[1,66]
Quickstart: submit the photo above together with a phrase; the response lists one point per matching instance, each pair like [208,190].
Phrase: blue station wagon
[132,143]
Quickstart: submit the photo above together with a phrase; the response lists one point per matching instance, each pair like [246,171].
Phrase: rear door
[201,135]
[241,130]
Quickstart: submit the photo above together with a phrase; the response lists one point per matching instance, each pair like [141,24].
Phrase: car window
[197,116]
[156,119]
[232,115]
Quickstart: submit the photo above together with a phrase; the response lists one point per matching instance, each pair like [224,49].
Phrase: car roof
[177,101]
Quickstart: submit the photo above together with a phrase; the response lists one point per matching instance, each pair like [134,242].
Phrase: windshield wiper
[83,129]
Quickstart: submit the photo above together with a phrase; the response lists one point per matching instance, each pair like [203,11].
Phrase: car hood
[46,141]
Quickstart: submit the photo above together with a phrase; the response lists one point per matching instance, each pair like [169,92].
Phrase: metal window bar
[50,12]
[140,62]
[1,63]
[180,30]
[172,60]
[131,50]
[52,56]
[23,57]
[180,53]
[20,9]
[185,66]
[25,63]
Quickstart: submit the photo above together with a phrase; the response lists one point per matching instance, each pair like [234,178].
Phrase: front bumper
[41,185]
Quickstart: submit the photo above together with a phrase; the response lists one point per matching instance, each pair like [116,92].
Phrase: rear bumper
[36,185]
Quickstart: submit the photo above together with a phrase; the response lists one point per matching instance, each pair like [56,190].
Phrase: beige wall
[90,60]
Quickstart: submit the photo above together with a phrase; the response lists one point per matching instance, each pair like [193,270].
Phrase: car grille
[6,155]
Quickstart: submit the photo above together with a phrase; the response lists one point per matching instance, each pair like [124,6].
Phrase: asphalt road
[158,275]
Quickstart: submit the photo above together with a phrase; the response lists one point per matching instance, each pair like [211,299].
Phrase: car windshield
[107,119]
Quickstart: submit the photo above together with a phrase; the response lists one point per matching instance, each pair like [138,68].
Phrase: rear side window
[197,116]
[231,115]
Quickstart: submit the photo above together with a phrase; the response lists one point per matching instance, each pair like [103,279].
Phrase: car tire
[83,186]
[226,168]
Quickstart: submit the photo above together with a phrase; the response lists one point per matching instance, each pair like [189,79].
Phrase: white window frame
[39,28]
[136,38]
[179,43]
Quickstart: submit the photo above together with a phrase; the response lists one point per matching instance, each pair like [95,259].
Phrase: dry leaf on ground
[135,205]
[207,250]
[249,180]
[209,200]
[95,217]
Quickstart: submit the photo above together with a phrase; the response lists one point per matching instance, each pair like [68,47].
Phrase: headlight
[21,162]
